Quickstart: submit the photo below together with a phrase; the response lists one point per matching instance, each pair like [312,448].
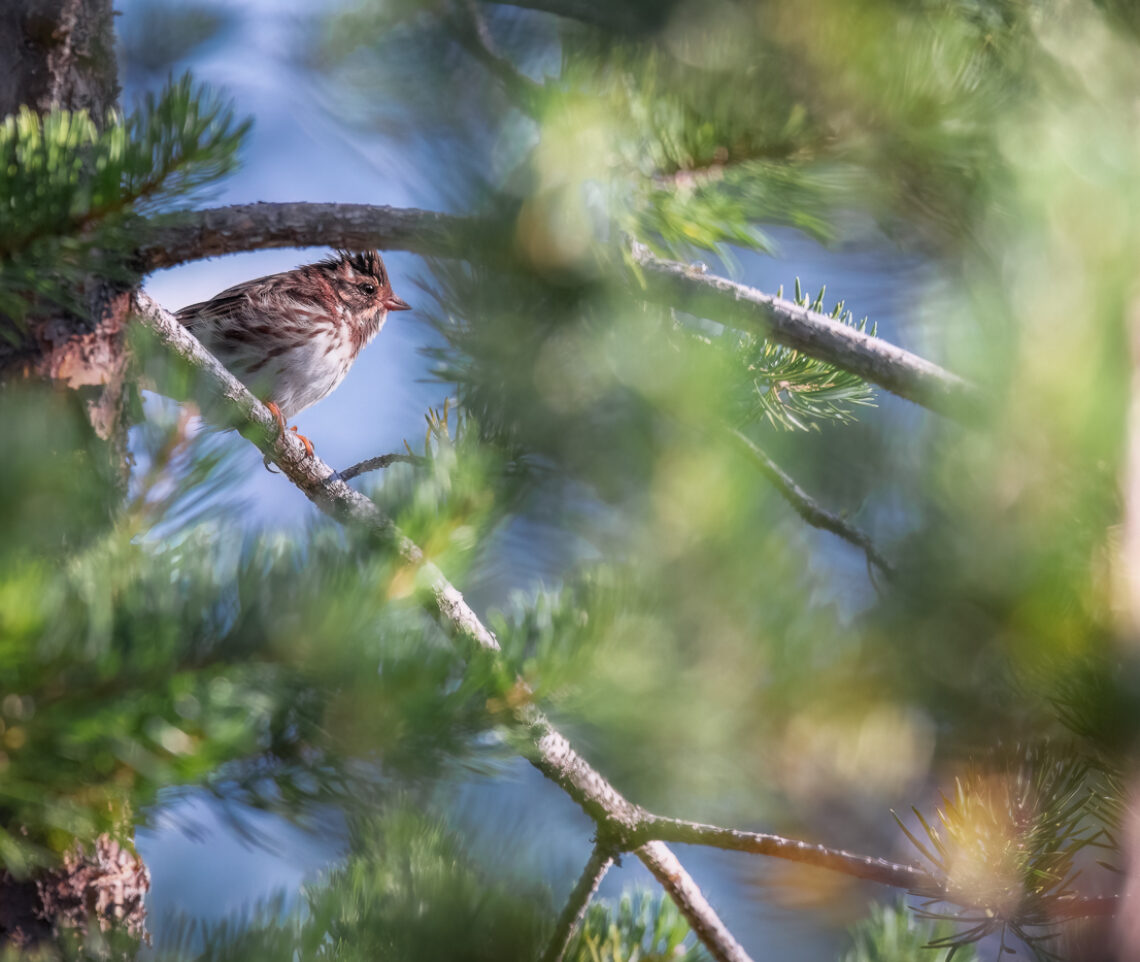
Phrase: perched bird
[291,337]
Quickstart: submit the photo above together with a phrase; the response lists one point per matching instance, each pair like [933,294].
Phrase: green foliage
[1007,842]
[793,391]
[72,187]
[689,165]
[892,933]
[641,926]
[409,890]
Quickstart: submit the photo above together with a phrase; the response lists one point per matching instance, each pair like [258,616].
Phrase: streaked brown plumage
[291,337]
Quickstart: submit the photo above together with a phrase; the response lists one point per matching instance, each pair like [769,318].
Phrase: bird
[292,337]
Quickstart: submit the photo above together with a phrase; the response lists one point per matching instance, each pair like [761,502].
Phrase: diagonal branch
[809,510]
[549,751]
[867,867]
[601,858]
[737,305]
[705,923]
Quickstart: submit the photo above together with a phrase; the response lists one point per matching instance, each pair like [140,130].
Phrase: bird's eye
[368,289]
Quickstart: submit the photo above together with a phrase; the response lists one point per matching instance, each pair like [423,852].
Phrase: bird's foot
[280,418]
[304,440]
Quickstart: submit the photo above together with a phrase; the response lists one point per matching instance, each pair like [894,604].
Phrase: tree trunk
[58,53]
[61,54]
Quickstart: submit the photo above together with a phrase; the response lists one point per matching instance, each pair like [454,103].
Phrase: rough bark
[57,53]
[105,886]
[61,54]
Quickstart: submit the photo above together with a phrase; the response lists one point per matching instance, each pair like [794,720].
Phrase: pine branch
[601,858]
[867,867]
[687,896]
[759,843]
[192,235]
[736,305]
[615,817]
[809,510]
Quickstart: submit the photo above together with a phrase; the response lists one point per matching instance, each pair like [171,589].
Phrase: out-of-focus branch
[378,464]
[706,924]
[621,825]
[736,305]
[869,868]
[858,866]
[615,817]
[624,17]
[601,858]
[809,510]
[475,37]
[192,235]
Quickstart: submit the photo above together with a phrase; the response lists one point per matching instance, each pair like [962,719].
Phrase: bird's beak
[394,303]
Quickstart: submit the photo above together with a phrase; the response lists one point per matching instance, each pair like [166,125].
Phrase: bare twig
[736,305]
[551,753]
[809,510]
[379,463]
[601,858]
[703,920]
[858,866]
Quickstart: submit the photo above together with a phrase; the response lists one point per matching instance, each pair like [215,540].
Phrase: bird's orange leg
[304,440]
[276,412]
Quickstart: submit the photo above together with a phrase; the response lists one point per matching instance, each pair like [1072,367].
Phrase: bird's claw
[280,418]
[304,440]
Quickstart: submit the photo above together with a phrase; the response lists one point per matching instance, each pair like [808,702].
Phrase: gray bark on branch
[817,335]
[615,817]
[621,824]
[600,861]
[192,235]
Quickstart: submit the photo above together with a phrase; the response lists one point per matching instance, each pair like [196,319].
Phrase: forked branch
[551,753]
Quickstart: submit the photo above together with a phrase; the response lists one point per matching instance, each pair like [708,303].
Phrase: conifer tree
[704,459]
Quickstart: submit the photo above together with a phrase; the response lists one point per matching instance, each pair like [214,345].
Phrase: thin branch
[601,858]
[192,235]
[475,37]
[736,305]
[758,843]
[379,463]
[550,752]
[867,867]
[809,510]
[702,918]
